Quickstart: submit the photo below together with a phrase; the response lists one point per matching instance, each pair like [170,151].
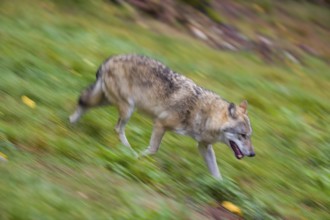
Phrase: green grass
[50,51]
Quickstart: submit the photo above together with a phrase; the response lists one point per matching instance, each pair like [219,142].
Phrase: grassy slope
[50,52]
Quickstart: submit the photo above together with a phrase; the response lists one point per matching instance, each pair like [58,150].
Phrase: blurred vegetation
[50,50]
[205,7]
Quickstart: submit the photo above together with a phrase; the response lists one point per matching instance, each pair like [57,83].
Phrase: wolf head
[237,131]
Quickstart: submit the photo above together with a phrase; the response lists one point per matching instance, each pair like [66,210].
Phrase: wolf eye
[243,136]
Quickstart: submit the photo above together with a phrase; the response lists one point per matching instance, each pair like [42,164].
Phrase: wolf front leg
[207,152]
[156,137]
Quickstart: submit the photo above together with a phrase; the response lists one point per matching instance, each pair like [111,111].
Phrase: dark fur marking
[81,102]
[85,95]
[164,74]
[187,115]
[99,72]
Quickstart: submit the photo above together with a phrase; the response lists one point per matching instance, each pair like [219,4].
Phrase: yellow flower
[231,207]
[27,101]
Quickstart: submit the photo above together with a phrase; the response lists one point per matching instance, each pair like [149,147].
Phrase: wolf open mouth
[238,154]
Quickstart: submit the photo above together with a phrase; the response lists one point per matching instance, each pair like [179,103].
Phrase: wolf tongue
[236,150]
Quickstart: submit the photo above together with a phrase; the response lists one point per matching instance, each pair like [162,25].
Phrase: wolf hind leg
[208,154]
[125,112]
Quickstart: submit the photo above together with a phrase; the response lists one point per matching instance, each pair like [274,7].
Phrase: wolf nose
[252,154]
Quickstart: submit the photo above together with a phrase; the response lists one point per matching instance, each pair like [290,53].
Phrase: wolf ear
[232,110]
[243,106]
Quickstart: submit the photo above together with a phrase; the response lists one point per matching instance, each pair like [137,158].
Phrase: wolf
[174,102]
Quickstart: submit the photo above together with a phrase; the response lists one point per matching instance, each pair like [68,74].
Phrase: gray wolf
[173,101]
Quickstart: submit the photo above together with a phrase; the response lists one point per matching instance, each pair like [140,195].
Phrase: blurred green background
[50,51]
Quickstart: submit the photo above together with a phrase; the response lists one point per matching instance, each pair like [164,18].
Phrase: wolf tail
[92,96]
